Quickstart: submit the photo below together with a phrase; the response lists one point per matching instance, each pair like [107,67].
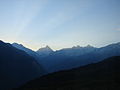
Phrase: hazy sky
[60,23]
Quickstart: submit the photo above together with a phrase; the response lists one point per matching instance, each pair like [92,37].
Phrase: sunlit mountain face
[59,44]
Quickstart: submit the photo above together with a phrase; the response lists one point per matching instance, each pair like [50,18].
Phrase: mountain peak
[17,44]
[45,51]
[1,41]
[76,46]
[89,46]
[46,48]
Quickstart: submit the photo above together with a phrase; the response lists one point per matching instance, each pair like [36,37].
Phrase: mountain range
[19,65]
[76,56]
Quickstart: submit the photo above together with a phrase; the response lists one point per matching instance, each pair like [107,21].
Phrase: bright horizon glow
[60,23]
[55,49]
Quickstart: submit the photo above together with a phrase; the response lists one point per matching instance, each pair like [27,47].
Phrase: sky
[60,23]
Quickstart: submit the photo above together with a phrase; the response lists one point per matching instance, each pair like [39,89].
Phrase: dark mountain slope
[104,75]
[28,51]
[16,67]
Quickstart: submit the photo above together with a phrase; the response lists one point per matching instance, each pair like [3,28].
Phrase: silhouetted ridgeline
[19,65]
[16,67]
[73,57]
[104,75]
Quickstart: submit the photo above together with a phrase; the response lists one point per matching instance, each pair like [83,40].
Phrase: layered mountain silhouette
[79,56]
[104,75]
[39,55]
[19,65]
[16,67]
[69,58]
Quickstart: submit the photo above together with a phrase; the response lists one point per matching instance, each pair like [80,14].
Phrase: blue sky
[60,23]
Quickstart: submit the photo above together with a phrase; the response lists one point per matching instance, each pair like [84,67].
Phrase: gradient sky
[60,23]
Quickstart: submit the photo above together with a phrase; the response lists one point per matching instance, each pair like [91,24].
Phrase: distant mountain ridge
[27,50]
[72,57]
[76,56]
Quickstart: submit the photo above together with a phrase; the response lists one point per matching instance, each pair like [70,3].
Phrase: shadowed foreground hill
[16,67]
[104,75]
